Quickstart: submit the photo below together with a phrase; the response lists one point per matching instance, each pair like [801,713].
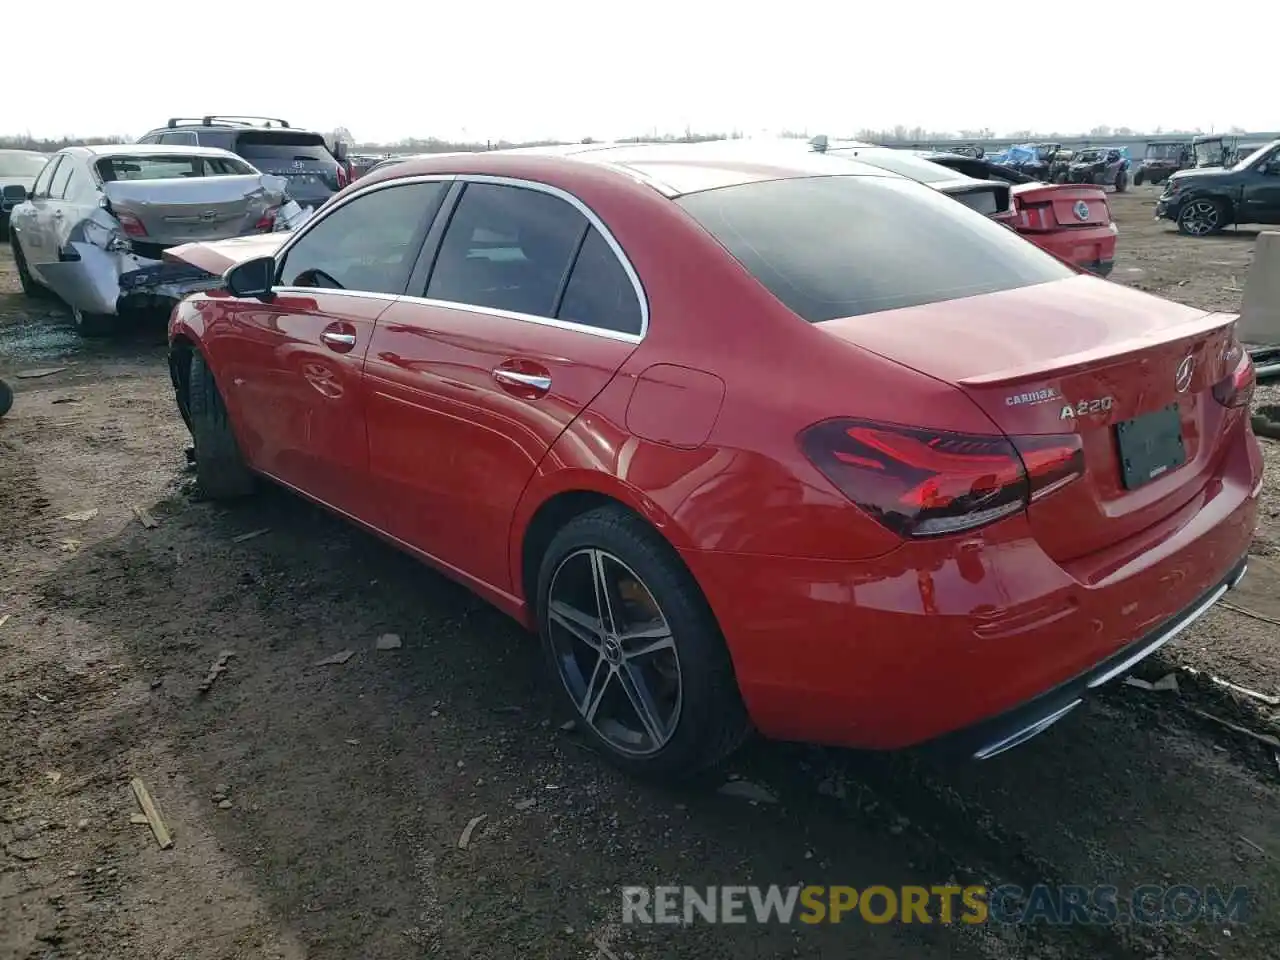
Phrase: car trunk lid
[194,208]
[1044,206]
[1079,356]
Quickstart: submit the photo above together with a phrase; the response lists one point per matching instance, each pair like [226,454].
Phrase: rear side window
[60,178]
[508,248]
[599,292]
[277,151]
[844,246]
[168,167]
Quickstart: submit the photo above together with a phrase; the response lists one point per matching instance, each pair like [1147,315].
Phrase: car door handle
[57,214]
[514,378]
[338,339]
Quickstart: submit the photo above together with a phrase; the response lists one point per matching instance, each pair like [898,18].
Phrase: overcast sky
[568,69]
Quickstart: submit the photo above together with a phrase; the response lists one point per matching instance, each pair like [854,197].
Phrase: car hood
[1202,173]
[221,255]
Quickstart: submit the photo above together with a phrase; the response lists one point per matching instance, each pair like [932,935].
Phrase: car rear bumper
[938,636]
[1093,248]
[992,737]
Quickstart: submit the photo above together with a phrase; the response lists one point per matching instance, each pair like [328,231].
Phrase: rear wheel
[1137,179]
[1199,218]
[92,324]
[221,470]
[634,647]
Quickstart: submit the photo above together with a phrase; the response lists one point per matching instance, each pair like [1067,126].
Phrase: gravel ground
[317,810]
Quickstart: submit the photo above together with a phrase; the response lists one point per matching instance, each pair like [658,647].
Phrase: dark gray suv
[302,157]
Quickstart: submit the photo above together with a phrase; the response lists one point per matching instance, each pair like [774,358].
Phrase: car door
[291,367]
[1261,199]
[33,223]
[529,311]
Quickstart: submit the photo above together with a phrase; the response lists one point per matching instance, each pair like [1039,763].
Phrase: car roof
[673,169]
[146,150]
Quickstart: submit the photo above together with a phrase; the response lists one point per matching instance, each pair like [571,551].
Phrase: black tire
[93,324]
[712,720]
[6,398]
[1122,181]
[1137,179]
[29,286]
[221,470]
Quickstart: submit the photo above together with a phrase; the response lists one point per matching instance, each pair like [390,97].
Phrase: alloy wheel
[1200,218]
[614,652]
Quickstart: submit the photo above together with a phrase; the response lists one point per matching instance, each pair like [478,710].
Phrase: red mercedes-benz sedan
[794,444]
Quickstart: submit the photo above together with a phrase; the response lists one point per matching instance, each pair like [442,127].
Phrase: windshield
[18,164]
[1164,151]
[1089,156]
[841,246]
[1254,157]
[1208,153]
[906,164]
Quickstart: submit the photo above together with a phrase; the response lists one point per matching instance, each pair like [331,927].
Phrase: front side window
[41,187]
[507,248]
[842,246]
[367,244]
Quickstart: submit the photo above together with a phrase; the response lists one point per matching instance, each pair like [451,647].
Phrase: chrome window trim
[587,212]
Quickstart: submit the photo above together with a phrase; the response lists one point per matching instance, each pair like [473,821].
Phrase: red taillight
[131,225]
[1236,388]
[1036,216]
[267,222]
[926,483]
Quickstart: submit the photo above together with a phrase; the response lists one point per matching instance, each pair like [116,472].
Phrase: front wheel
[1137,179]
[1122,181]
[632,644]
[221,471]
[1200,218]
[29,286]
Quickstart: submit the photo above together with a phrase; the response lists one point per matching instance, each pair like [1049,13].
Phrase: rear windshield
[169,167]
[845,246]
[21,164]
[906,164]
[269,147]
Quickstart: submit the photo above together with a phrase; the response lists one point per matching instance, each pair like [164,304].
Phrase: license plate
[1150,446]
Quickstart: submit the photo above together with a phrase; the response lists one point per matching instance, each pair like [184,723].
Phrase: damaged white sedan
[95,224]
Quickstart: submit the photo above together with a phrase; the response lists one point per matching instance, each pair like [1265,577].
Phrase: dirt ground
[347,786]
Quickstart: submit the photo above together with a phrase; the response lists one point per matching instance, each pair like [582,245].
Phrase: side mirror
[253,278]
[14,194]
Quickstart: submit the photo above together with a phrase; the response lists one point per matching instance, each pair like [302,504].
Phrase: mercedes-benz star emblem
[1182,379]
[1081,210]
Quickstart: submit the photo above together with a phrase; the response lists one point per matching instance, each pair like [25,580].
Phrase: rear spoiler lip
[1112,353]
